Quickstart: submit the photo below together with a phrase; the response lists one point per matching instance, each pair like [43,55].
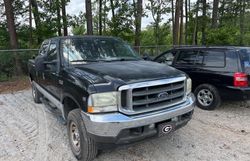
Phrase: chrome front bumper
[110,124]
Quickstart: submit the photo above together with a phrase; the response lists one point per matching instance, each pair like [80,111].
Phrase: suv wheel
[207,97]
[35,93]
[82,146]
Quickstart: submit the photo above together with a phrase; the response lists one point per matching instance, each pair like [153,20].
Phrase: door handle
[60,82]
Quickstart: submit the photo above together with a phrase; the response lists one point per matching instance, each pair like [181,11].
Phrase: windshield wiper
[122,59]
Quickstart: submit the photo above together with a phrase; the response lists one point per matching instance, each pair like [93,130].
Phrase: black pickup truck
[107,94]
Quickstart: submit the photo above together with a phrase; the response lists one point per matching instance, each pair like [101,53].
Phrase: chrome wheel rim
[75,136]
[205,97]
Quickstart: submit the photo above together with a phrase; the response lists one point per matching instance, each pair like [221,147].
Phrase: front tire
[35,93]
[207,97]
[82,146]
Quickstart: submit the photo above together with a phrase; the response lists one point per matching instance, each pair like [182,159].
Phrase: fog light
[151,126]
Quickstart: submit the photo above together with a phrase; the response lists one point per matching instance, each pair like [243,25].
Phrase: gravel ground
[29,131]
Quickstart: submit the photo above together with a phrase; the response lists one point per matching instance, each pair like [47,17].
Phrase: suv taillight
[240,80]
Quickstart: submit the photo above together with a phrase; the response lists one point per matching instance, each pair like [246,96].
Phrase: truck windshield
[82,50]
[245,59]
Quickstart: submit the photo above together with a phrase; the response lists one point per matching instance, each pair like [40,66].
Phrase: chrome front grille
[153,95]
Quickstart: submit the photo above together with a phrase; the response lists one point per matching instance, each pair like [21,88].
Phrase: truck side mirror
[50,65]
[39,63]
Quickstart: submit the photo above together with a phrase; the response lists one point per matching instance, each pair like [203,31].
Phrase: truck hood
[127,71]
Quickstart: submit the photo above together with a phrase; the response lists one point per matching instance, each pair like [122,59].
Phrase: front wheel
[35,93]
[207,97]
[82,146]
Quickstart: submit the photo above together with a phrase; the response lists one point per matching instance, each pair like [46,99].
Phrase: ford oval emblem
[162,95]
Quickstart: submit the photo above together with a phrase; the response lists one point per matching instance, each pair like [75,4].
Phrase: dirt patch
[13,86]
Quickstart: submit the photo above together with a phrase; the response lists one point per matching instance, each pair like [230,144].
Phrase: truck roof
[80,36]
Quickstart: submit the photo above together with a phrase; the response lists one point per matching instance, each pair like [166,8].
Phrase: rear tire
[207,97]
[35,93]
[82,146]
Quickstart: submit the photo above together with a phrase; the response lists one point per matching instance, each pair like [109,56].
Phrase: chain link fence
[13,63]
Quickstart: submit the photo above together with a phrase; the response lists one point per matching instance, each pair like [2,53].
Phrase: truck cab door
[42,53]
[51,74]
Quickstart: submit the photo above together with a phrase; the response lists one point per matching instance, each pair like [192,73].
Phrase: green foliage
[78,24]
[223,36]
[158,9]
[121,24]
[7,63]
[148,36]
[6,66]
[79,30]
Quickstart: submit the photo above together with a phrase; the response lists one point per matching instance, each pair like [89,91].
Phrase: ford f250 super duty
[107,94]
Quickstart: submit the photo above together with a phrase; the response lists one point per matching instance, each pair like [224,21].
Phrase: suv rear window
[212,58]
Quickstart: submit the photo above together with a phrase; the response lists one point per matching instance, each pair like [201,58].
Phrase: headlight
[189,85]
[103,102]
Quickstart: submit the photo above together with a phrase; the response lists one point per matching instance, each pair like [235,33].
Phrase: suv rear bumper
[118,128]
[236,93]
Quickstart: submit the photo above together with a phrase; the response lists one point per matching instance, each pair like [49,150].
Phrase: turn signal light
[90,109]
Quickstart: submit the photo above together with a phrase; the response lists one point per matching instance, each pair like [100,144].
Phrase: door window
[52,53]
[187,58]
[43,49]
[213,58]
[166,58]
[202,58]
[52,58]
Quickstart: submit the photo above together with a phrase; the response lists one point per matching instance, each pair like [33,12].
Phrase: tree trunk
[30,24]
[189,6]
[222,10]
[242,20]
[12,33]
[37,20]
[88,6]
[176,22]
[236,11]
[138,23]
[173,26]
[112,8]
[195,41]
[215,14]
[181,23]
[203,28]
[186,23]
[104,16]
[64,18]
[58,12]
[100,17]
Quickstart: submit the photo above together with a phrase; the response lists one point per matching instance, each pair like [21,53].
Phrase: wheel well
[68,105]
[31,78]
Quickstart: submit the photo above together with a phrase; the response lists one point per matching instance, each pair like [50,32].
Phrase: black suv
[216,72]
